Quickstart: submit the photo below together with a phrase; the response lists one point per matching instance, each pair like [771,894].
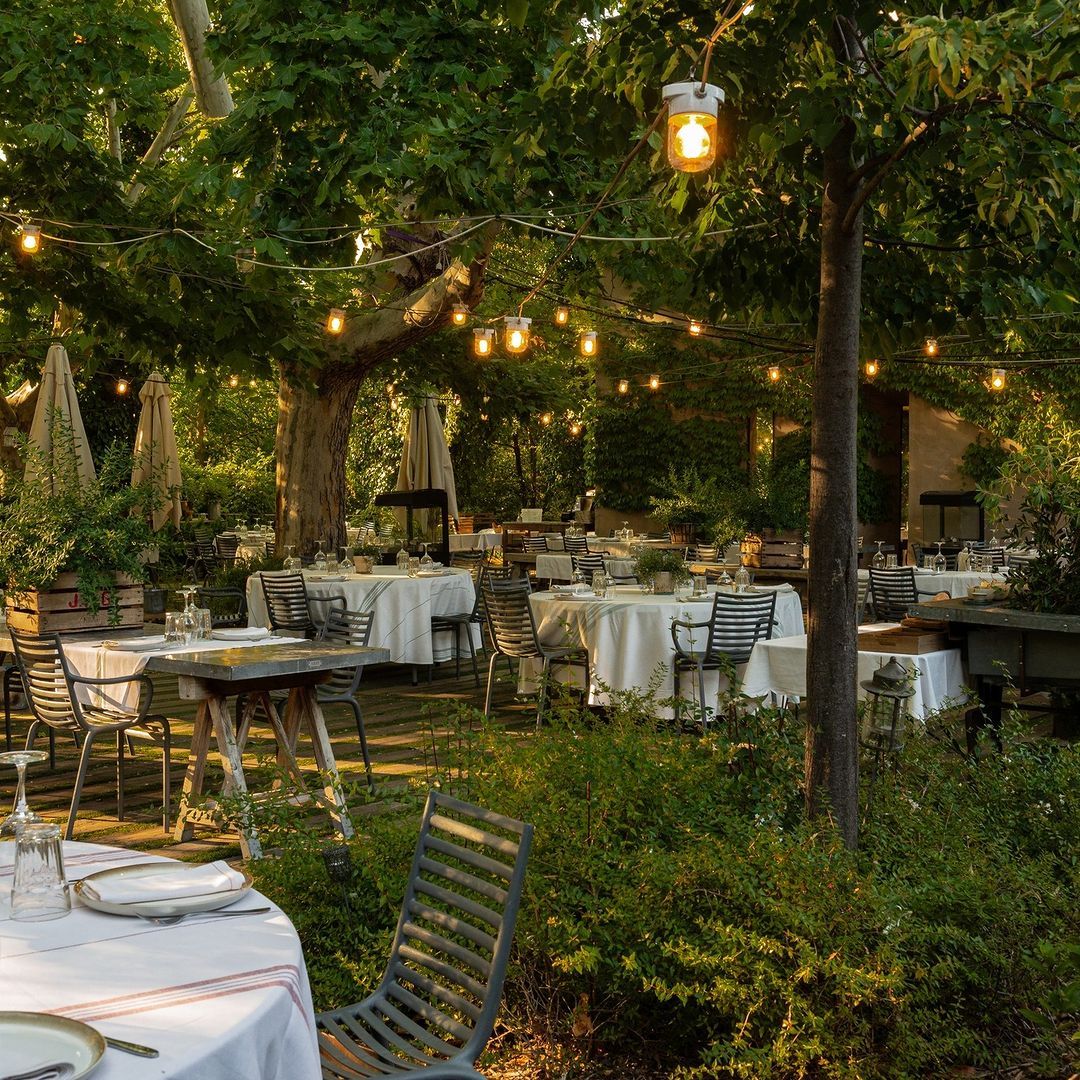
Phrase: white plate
[325,577]
[433,573]
[240,633]
[181,905]
[31,1039]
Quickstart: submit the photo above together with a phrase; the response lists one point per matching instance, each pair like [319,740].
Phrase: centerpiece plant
[661,569]
[58,523]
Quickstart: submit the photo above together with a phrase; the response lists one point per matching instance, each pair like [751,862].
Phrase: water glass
[683,589]
[413,566]
[174,628]
[204,624]
[599,583]
[40,889]
[890,562]
[928,562]
[700,585]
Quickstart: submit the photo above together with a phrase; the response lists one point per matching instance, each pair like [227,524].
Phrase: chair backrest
[576,545]
[534,544]
[345,628]
[287,602]
[227,546]
[739,622]
[467,560]
[452,945]
[997,553]
[509,617]
[44,677]
[588,564]
[861,595]
[228,607]
[892,592]
[703,553]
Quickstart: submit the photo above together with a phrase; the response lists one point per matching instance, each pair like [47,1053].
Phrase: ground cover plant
[680,912]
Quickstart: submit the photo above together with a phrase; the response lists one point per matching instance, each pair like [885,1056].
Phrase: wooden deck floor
[399,728]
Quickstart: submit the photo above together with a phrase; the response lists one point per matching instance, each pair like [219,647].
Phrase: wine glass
[346,566]
[291,562]
[427,563]
[21,814]
[319,564]
[939,559]
[878,560]
[402,558]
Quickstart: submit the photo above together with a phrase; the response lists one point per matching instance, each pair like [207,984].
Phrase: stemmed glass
[21,814]
[346,566]
[878,560]
[291,562]
[939,559]
[319,564]
[427,563]
[189,616]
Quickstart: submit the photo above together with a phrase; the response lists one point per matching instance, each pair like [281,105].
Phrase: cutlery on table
[172,920]
[130,1048]
[58,1070]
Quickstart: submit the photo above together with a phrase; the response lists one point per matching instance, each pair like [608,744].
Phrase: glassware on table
[724,580]
[319,565]
[204,624]
[21,814]
[291,563]
[878,561]
[742,579]
[346,566]
[599,583]
[684,588]
[40,889]
[427,563]
[890,562]
[928,562]
[940,562]
[577,581]
[174,628]
[402,558]
[413,566]
[701,586]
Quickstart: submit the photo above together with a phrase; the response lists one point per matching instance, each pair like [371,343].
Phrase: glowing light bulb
[459,315]
[483,339]
[695,328]
[517,333]
[931,346]
[234,381]
[871,368]
[774,373]
[575,428]
[997,379]
[562,315]
[121,386]
[691,125]
[588,343]
[30,240]
[546,419]
[335,321]
[623,386]
[654,382]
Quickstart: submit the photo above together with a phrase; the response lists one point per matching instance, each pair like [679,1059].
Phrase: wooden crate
[774,554]
[474,523]
[903,640]
[61,608]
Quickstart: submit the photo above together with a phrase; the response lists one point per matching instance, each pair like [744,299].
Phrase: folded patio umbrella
[155,450]
[425,461]
[58,421]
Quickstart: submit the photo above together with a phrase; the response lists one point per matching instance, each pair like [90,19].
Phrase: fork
[172,920]
[59,1070]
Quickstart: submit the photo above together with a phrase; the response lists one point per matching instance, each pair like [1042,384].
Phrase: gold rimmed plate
[31,1040]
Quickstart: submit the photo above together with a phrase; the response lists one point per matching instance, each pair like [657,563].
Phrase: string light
[234,381]
[335,321]
[575,428]
[931,347]
[546,419]
[654,382]
[774,373]
[483,339]
[692,109]
[30,239]
[121,386]
[245,259]
[871,368]
[588,343]
[562,314]
[623,386]
[517,333]
[459,314]
[695,329]
[997,379]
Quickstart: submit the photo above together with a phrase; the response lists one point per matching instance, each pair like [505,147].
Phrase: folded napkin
[174,882]
[784,586]
[136,644]
[562,588]
[239,633]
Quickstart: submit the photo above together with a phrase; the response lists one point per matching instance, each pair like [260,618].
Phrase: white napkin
[136,644]
[240,633]
[784,586]
[173,883]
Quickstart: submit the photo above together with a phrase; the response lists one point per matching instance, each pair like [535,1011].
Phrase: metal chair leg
[490,683]
[76,795]
[121,737]
[166,780]
[701,698]
[363,741]
[472,655]
[545,671]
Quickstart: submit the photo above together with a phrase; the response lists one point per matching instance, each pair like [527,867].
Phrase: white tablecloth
[224,999]
[481,541]
[955,583]
[628,636]
[560,566]
[780,667]
[403,608]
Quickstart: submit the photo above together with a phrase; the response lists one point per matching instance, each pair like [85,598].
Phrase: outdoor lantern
[774,373]
[482,339]
[931,346]
[546,419]
[654,382]
[245,260]
[121,386]
[695,328]
[517,333]
[459,314]
[335,321]
[30,240]
[623,386]
[234,381]
[11,436]
[562,315]
[691,125]
[871,368]
[997,379]
[883,722]
[588,343]
[575,427]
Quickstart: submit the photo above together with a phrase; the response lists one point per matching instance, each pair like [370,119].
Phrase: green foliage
[91,530]
[984,461]
[245,489]
[652,561]
[693,500]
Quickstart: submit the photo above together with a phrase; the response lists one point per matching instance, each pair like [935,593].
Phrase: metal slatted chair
[736,625]
[513,635]
[228,607]
[51,691]
[288,606]
[588,564]
[893,591]
[702,553]
[226,549]
[464,621]
[996,553]
[434,1010]
[576,545]
[535,545]
[347,628]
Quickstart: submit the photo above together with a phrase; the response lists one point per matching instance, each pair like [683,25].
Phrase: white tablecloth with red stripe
[224,999]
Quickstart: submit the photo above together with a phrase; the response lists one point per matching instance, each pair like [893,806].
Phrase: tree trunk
[832,763]
[310,448]
[211,91]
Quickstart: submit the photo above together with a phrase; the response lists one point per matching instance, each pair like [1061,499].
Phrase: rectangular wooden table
[211,677]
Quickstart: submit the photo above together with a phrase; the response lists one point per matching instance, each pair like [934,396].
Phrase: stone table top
[267,661]
[963,611]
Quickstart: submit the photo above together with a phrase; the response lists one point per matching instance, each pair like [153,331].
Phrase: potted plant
[71,552]
[366,556]
[689,506]
[661,569]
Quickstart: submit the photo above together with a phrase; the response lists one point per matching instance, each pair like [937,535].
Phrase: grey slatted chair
[226,549]
[347,628]
[288,606]
[588,564]
[50,687]
[576,545]
[513,635]
[736,625]
[996,553]
[464,621]
[435,1008]
[893,591]
[228,607]
[534,544]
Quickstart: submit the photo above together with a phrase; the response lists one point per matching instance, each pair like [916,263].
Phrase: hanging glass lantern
[121,386]
[245,259]
[483,340]
[883,720]
[691,125]
[997,379]
[654,382]
[931,346]
[516,338]
[623,386]
[562,314]
[30,239]
[774,373]
[695,329]
[546,418]
[588,343]
[575,428]
[871,368]
[459,314]
[234,381]
[335,321]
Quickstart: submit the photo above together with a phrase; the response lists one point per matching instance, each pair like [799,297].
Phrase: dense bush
[244,489]
[676,899]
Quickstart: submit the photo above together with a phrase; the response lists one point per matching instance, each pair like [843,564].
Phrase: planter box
[61,609]
[472,523]
[903,640]
[683,532]
[777,554]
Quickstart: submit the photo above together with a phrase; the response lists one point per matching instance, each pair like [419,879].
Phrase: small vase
[363,564]
[663,583]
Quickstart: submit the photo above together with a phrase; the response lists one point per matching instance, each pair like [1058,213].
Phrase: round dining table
[219,998]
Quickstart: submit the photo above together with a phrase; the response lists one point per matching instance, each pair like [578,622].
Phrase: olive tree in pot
[663,570]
